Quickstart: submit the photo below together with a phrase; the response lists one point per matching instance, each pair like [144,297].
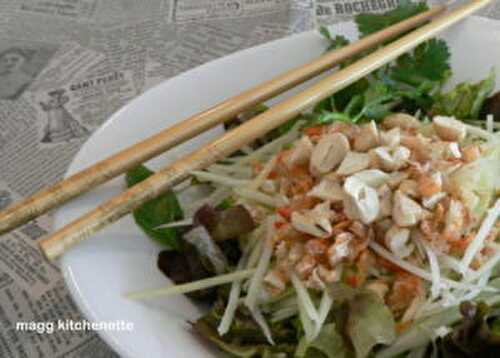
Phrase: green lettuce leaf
[465,100]
[370,323]
[235,350]
[328,344]
[159,211]
[245,338]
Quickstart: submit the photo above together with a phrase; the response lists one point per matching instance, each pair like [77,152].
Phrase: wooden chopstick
[112,210]
[129,158]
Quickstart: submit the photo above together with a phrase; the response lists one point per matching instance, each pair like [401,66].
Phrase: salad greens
[428,62]
[156,212]
[404,86]
[329,343]
[477,335]
[366,319]
[466,99]
[423,330]
[369,322]
[245,339]
[370,23]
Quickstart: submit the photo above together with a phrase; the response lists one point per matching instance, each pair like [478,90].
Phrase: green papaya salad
[365,227]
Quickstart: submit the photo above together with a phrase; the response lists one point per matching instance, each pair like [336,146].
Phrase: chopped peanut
[450,129]
[305,266]
[340,250]
[429,185]
[471,153]
[410,188]
[454,221]
[316,247]
[406,287]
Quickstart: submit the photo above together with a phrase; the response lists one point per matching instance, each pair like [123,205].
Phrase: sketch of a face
[11,61]
[233,5]
[53,102]
[57,99]
[5,199]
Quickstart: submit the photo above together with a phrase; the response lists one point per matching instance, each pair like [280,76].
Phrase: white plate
[121,259]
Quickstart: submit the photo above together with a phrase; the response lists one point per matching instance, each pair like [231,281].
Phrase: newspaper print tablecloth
[65,67]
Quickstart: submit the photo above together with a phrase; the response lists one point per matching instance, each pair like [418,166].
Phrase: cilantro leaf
[370,23]
[343,97]
[156,212]
[429,61]
[333,42]
[407,85]
[327,104]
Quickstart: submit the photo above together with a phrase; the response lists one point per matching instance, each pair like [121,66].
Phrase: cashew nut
[367,137]
[340,249]
[397,240]
[354,162]
[372,177]
[453,151]
[328,153]
[390,138]
[405,211]
[315,222]
[391,159]
[328,189]
[401,120]
[385,198]
[301,152]
[361,201]
[410,188]
[448,128]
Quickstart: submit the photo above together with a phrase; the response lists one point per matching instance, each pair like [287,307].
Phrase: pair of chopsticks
[112,210]
[129,158]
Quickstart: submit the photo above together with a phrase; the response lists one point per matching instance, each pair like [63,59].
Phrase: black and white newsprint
[65,67]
